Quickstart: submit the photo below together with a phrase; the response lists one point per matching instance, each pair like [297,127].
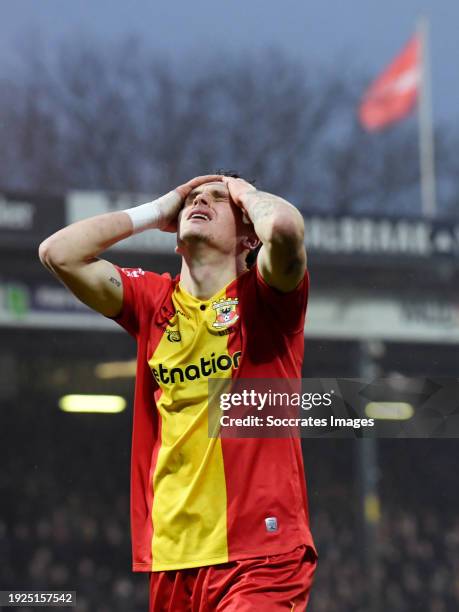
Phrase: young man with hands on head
[219,523]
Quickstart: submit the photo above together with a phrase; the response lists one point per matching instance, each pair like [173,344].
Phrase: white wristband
[153,214]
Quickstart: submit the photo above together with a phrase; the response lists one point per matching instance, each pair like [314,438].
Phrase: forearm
[71,254]
[84,240]
[274,219]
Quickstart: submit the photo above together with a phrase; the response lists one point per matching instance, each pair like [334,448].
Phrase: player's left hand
[238,189]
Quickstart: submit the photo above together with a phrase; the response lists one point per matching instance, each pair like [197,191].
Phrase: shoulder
[145,286]
[144,277]
[254,279]
[283,311]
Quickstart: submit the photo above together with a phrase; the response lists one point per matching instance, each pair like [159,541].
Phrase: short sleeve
[140,288]
[288,309]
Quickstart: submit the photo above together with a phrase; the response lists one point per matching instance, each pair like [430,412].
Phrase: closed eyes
[216,194]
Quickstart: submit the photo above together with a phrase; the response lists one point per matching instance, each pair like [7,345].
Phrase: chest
[198,341]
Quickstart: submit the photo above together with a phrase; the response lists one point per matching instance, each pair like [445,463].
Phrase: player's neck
[204,277]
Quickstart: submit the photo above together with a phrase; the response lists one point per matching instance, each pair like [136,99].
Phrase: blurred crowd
[82,544]
[418,568]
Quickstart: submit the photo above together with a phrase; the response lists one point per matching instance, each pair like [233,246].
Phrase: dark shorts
[271,584]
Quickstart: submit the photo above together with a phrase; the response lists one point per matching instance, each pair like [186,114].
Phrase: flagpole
[426,133]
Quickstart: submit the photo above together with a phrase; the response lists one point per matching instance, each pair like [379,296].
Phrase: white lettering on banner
[436,313]
[16,215]
[444,242]
[370,236]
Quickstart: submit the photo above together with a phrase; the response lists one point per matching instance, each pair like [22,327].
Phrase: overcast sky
[368,32]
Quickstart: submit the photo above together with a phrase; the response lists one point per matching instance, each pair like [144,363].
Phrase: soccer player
[219,523]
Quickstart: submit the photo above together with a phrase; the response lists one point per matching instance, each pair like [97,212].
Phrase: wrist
[156,214]
[246,201]
[248,204]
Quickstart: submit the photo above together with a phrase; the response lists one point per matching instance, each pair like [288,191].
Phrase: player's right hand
[172,212]
[185,189]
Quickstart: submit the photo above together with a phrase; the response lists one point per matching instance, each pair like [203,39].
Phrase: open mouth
[199,216]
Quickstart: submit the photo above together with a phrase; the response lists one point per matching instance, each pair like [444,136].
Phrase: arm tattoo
[261,205]
[113,280]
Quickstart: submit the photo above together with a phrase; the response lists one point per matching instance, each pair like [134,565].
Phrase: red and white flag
[394,94]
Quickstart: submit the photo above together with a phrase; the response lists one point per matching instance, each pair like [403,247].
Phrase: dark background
[136,98]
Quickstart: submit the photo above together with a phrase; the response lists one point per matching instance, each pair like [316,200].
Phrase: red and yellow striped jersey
[198,500]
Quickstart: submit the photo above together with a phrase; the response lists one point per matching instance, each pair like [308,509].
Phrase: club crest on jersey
[225,312]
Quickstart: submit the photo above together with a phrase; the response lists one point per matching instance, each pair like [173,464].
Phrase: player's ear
[250,242]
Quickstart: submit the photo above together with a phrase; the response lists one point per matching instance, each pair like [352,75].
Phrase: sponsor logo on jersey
[225,312]
[133,273]
[193,371]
